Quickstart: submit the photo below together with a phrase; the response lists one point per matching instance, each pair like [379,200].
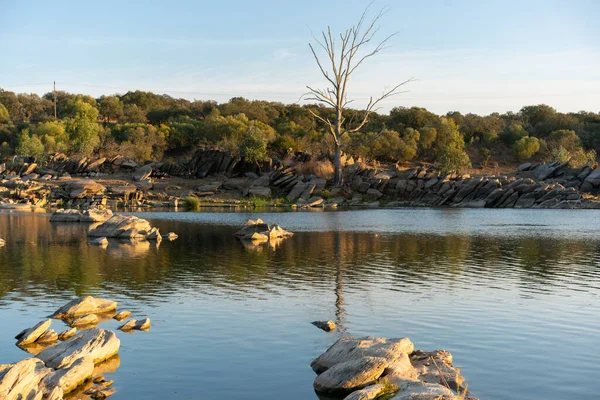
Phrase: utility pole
[54,99]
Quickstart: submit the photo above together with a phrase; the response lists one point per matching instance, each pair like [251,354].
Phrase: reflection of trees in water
[57,258]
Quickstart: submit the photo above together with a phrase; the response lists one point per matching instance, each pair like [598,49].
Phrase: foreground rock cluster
[76,364]
[367,368]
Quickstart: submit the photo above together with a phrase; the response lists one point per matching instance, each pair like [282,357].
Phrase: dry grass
[322,169]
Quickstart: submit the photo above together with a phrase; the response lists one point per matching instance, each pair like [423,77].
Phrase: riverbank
[213,179]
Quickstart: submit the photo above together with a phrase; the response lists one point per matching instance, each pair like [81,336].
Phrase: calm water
[514,294]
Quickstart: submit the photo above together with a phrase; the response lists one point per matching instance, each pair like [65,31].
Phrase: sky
[464,55]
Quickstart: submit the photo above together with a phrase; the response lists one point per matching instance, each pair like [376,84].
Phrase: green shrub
[526,147]
[192,203]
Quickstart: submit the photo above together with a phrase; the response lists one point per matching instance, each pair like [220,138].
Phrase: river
[513,294]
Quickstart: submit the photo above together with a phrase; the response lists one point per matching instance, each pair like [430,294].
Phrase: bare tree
[337,66]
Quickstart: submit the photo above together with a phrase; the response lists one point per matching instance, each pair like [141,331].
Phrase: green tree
[4,115]
[427,138]
[53,136]
[253,147]
[513,132]
[83,128]
[110,108]
[526,147]
[29,145]
[450,152]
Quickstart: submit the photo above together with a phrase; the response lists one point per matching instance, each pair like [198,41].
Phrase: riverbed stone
[122,226]
[349,348]
[122,315]
[350,375]
[327,326]
[32,334]
[71,377]
[84,320]
[67,334]
[97,343]
[23,379]
[84,305]
[369,393]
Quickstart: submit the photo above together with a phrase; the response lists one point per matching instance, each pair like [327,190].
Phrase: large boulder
[23,380]
[348,348]
[350,375]
[72,215]
[123,226]
[79,188]
[96,343]
[72,376]
[142,173]
[84,305]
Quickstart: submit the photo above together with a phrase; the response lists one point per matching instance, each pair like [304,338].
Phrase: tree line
[148,126]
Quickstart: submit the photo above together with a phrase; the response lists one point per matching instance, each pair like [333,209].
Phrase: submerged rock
[101,242]
[327,326]
[170,236]
[96,343]
[84,305]
[258,231]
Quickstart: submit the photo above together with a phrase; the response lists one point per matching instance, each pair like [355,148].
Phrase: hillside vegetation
[147,126]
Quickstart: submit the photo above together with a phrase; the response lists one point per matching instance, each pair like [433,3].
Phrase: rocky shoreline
[210,178]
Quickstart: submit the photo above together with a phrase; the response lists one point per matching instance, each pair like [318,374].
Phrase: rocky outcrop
[84,305]
[126,227]
[366,368]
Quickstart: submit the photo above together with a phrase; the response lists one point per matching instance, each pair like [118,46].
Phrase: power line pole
[54,99]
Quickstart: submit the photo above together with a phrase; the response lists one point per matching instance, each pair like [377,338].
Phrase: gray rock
[32,334]
[142,173]
[350,375]
[122,226]
[348,348]
[524,167]
[84,305]
[525,201]
[97,343]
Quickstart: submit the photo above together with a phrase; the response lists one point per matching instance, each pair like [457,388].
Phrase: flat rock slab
[32,334]
[350,375]
[70,378]
[84,305]
[417,390]
[368,393]
[349,348]
[97,343]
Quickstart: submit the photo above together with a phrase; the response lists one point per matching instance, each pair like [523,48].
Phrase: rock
[66,216]
[432,366]
[259,191]
[251,227]
[84,305]
[23,380]
[89,319]
[524,167]
[66,334]
[257,237]
[154,234]
[142,173]
[122,315]
[593,178]
[170,236]
[276,232]
[97,343]
[127,326]
[80,188]
[350,375]
[32,334]
[373,194]
[368,393]
[348,348]
[94,215]
[69,378]
[49,336]
[143,325]
[122,226]
[417,390]
[327,326]
[101,241]
[525,201]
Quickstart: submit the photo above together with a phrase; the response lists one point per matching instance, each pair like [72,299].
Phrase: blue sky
[466,55]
